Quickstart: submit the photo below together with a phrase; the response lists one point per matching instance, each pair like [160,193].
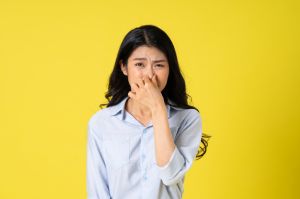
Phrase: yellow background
[240,60]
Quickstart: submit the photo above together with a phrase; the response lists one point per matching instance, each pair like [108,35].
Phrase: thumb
[154,80]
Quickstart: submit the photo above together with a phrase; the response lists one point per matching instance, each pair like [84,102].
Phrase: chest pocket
[117,151]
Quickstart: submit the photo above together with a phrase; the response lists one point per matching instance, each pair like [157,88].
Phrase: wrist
[158,109]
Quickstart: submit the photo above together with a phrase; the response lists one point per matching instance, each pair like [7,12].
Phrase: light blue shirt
[121,161]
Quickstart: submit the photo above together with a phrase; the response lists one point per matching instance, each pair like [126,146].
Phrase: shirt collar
[120,107]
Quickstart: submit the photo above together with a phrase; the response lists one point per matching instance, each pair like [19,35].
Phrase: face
[147,61]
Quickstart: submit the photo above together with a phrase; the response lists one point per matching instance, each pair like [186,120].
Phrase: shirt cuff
[174,165]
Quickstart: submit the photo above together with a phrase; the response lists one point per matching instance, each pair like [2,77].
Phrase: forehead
[147,52]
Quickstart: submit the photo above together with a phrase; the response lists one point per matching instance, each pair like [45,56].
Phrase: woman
[143,143]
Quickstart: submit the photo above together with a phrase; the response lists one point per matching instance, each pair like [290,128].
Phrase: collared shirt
[121,161]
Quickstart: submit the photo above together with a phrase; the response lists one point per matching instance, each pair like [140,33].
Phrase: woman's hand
[147,93]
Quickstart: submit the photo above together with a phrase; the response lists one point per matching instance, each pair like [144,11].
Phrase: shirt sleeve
[97,186]
[187,142]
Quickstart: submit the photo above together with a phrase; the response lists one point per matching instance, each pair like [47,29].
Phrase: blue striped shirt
[121,160]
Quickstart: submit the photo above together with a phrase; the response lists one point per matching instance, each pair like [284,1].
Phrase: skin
[148,72]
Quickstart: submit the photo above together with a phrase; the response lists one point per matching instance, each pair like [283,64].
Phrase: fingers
[131,94]
[149,80]
[135,87]
[154,80]
[140,83]
[146,80]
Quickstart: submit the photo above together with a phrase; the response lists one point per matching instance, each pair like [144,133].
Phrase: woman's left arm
[164,143]
[174,158]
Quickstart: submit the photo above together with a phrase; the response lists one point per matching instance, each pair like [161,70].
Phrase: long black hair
[175,89]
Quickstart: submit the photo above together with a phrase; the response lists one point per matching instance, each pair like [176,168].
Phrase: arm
[173,161]
[97,187]
[164,143]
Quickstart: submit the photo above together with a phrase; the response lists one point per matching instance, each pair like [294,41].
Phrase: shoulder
[183,113]
[98,116]
[186,114]
[189,119]
[98,119]
[183,119]
[191,123]
[191,116]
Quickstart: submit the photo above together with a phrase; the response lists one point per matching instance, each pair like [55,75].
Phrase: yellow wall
[240,60]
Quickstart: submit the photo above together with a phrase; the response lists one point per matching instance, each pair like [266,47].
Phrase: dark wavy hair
[175,89]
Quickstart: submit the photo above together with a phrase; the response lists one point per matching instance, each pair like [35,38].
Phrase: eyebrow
[155,61]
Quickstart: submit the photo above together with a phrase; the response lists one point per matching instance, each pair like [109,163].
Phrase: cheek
[164,76]
[135,74]
[162,81]
[166,79]
[132,79]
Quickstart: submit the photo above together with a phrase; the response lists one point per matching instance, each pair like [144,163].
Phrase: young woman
[142,144]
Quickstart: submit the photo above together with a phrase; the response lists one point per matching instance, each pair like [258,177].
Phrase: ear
[123,68]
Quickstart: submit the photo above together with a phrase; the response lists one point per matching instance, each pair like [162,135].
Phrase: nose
[150,72]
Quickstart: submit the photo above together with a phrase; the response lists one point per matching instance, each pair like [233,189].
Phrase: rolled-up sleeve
[187,142]
[97,186]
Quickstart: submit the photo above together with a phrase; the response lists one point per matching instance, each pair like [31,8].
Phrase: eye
[159,65]
[138,64]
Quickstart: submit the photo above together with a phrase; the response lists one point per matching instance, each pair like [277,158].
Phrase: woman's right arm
[97,184]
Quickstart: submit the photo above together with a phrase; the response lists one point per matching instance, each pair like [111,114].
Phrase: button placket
[143,156]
